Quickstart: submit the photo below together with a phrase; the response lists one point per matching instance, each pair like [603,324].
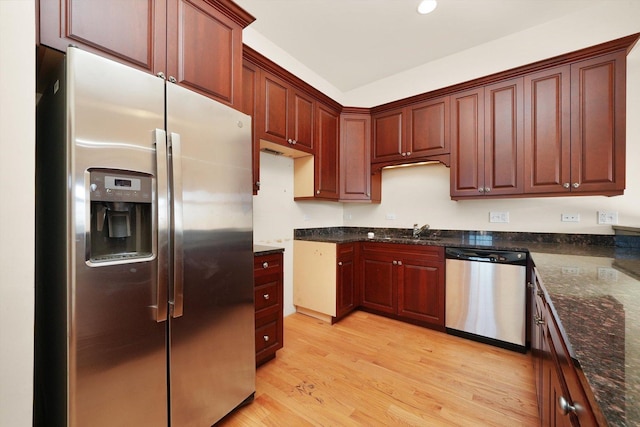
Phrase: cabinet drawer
[266,265]
[266,295]
[267,334]
[401,250]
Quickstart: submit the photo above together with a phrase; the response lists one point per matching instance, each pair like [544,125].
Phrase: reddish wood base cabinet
[405,282]
[268,305]
[562,400]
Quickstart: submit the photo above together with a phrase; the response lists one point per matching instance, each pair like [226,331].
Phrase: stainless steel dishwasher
[486,296]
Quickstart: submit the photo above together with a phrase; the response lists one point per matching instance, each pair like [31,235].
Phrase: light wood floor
[367,370]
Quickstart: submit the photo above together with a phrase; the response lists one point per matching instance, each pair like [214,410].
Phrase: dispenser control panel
[119,186]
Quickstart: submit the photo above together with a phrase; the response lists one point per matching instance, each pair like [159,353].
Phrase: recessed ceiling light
[427,6]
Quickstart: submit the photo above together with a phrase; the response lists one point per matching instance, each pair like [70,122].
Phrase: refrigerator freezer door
[212,358]
[116,348]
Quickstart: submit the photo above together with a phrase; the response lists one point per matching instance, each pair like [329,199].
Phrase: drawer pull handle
[266,338]
[538,320]
[565,407]
[265,296]
[265,264]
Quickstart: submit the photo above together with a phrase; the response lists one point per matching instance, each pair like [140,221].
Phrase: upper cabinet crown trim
[626,43]
[233,12]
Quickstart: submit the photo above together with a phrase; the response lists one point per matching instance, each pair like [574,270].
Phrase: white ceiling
[351,43]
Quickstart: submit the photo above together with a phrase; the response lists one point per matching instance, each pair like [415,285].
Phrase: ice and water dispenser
[121,215]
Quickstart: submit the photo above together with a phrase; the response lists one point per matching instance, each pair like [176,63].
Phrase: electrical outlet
[390,216]
[570,271]
[570,217]
[498,216]
[605,217]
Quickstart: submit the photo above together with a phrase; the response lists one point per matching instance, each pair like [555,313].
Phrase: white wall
[276,215]
[17,165]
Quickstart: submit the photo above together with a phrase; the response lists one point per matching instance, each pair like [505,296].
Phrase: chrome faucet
[417,231]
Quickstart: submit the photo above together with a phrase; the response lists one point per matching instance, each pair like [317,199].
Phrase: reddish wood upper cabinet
[467,143]
[355,158]
[598,120]
[327,159]
[250,83]
[547,134]
[196,43]
[575,128]
[404,281]
[284,115]
[409,134]
[487,134]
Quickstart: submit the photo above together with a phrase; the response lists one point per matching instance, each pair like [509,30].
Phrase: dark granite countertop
[593,283]
[266,250]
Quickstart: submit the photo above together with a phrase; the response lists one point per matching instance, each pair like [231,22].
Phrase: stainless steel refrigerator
[144,260]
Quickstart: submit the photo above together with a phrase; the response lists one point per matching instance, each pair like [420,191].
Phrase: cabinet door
[326,158]
[346,298]
[467,143]
[272,121]
[355,157]
[388,129]
[301,121]
[421,290]
[204,50]
[547,130]
[378,278]
[133,31]
[428,124]
[598,123]
[250,83]
[503,138]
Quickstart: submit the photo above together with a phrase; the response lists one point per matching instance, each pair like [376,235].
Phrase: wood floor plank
[368,370]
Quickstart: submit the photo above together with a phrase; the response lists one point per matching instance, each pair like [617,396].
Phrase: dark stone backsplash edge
[505,236]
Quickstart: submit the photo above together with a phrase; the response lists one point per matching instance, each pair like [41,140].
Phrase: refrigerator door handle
[177,299]
[160,142]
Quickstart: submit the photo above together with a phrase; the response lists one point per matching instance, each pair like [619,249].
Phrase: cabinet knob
[317,191]
[404,154]
[339,262]
[265,264]
[529,285]
[161,75]
[295,142]
[487,189]
[576,184]
[290,141]
[566,185]
[565,407]
[394,262]
[265,338]
[258,184]
[172,79]
[408,153]
[480,189]
[266,296]
[538,320]
[399,262]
